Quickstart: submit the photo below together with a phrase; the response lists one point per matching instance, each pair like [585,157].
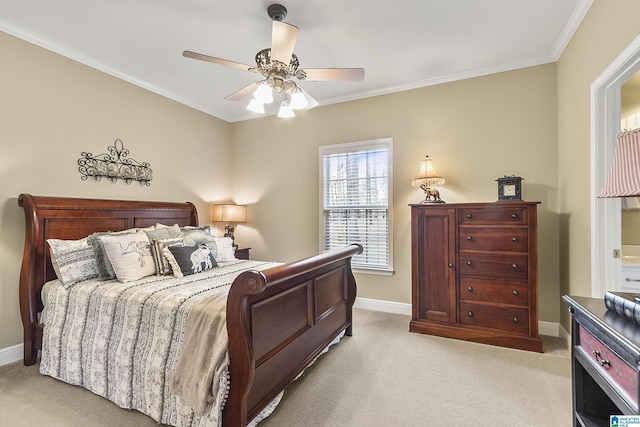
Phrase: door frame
[605,126]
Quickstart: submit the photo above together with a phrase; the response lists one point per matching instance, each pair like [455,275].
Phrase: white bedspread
[122,341]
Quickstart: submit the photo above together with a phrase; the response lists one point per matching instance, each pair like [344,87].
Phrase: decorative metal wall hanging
[114,165]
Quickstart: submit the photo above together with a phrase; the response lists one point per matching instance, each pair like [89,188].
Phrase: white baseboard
[11,354]
[544,328]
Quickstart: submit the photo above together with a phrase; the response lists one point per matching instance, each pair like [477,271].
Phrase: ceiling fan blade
[283,40]
[325,74]
[312,102]
[194,55]
[245,91]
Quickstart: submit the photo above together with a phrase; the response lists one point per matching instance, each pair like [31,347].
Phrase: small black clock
[509,188]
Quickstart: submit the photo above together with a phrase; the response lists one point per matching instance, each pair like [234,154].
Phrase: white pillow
[130,255]
[224,249]
[73,261]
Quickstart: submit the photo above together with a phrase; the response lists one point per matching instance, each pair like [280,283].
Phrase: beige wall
[607,29]
[52,109]
[476,130]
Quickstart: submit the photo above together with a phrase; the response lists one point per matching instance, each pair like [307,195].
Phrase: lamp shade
[229,213]
[624,177]
[427,174]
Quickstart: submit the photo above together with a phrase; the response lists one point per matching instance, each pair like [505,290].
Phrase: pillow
[186,260]
[73,261]
[105,269]
[163,231]
[225,251]
[162,264]
[130,255]
[196,236]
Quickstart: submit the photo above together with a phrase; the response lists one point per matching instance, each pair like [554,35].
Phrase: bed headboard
[71,219]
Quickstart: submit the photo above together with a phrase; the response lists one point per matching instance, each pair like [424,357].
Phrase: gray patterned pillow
[196,236]
[163,231]
[72,260]
[186,260]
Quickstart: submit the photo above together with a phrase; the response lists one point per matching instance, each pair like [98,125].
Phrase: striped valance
[624,176]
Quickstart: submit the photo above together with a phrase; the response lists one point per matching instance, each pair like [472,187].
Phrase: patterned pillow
[130,255]
[186,260]
[196,236]
[72,260]
[162,264]
[105,269]
[163,231]
[225,251]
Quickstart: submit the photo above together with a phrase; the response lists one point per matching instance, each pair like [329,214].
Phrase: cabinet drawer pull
[469,263]
[601,361]
[629,279]
[514,239]
[514,216]
[516,320]
[516,293]
[470,288]
[469,238]
[469,216]
[470,314]
[514,266]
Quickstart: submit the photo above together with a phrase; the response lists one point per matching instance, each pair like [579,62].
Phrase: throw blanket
[204,355]
[123,341]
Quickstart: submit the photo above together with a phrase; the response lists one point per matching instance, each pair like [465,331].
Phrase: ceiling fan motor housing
[277,12]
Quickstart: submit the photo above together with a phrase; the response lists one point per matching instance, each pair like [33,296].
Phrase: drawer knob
[514,216]
[469,263]
[470,314]
[514,266]
[469,238]
[514,239]
[516,320]
[470,288]
[516,293]
[450,265]
[469,216]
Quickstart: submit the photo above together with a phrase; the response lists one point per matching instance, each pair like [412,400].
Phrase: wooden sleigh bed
[278,320]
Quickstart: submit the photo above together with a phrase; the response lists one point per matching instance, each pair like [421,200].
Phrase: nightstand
[242,253]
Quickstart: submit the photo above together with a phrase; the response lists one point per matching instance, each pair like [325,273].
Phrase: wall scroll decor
[114,165]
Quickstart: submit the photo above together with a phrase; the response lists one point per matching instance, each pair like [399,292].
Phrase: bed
[278,320]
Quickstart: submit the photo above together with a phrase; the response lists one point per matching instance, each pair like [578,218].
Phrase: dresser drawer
[494,291]
[498,266]
[494,215]
[494,239]
[620,375]
[511,319]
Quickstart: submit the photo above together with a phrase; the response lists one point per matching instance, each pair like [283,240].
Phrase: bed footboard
[279,320]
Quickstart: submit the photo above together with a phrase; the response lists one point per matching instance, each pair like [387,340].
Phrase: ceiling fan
[279,66]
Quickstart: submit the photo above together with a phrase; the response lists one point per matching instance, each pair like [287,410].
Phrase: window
[356,185]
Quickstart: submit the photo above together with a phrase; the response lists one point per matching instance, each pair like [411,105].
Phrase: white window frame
[356,147]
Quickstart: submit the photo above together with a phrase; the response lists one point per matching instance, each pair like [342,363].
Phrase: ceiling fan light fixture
[264,93]
[285,110]
[298,100]
[256,106]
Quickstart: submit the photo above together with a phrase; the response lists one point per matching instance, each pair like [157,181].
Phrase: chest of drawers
[475,272]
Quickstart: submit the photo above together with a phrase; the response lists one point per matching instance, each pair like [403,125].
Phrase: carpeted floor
[381,376]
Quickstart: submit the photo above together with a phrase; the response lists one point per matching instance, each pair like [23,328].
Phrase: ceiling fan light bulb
[256,106]
[298,100]
[264,94]
[286,110]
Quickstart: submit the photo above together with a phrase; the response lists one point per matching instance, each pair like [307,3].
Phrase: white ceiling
[401,45]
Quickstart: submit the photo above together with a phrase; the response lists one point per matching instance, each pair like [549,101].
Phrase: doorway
[605,126]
